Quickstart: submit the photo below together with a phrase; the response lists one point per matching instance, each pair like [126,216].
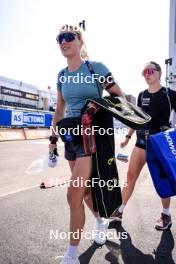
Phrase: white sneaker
[69,260]
[99,235]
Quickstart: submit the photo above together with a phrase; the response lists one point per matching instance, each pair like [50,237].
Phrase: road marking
[58,183]
[44,143]
[18,190]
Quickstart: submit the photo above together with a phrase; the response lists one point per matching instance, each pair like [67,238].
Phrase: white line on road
[18,190]
[44,142]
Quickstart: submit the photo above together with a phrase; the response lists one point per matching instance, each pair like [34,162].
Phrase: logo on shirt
[145,101]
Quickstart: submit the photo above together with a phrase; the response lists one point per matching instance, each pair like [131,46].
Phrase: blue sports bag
[161,160]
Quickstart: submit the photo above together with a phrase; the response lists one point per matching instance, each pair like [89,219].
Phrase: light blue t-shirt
[78,86]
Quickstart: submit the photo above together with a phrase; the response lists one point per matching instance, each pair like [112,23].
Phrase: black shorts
[74,150]
[142,137]
[141,141]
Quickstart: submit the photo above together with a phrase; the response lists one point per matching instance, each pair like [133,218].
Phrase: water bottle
[53,156]
[37,166]
[122,156]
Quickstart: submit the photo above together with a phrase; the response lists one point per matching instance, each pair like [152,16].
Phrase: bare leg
[137,161]
[71,164]
[166,202]
[88,195]
[75,196]
[89,202]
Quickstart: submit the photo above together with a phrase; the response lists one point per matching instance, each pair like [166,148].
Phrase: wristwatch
[128,136]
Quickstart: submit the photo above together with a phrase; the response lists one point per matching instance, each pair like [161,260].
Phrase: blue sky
[122,34]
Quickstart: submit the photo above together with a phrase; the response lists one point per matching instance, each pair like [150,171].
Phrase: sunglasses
[67,36]
[148,71]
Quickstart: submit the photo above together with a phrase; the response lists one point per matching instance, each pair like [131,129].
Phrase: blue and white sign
[33,119]
[24,119]
[17,118]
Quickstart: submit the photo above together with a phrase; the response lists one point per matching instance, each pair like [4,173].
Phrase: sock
[72,251]
[121,208]
[166,211]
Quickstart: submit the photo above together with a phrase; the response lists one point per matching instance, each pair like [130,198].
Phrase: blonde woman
[73,96]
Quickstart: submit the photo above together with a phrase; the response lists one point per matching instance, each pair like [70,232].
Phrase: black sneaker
[116,215]
[164,222]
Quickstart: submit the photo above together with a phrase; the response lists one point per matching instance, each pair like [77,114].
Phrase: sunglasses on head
[148,71]
[67,36]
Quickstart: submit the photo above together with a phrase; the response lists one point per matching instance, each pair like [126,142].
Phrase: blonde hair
[78,31]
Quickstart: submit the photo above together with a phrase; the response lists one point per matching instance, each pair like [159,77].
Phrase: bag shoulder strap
[166,91]
[90,67]
[92,72]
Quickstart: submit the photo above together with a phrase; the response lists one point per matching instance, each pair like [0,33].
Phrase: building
[22,95]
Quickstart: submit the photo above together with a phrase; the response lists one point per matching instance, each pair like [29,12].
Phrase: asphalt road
[34,222]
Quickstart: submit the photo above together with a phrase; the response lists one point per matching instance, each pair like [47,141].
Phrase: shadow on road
[163,253]
[129,254]
[85,258]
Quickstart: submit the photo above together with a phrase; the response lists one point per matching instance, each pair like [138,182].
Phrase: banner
[24,118]
[19,93]
[36,133]
[30,119]
[11,134]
